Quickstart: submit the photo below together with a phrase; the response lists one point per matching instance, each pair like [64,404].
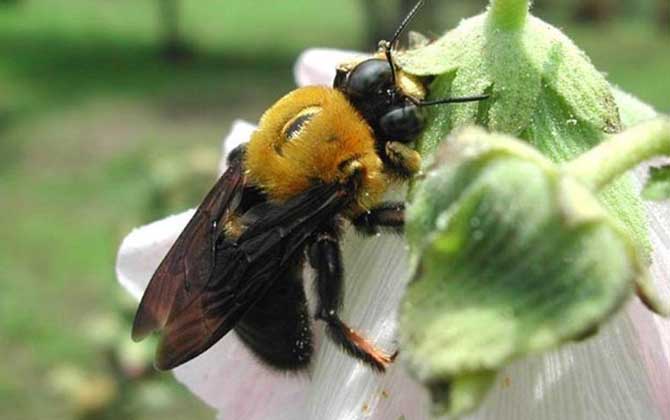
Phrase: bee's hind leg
[326,258]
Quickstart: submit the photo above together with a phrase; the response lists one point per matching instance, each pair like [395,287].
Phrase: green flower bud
[543,90]
[513,255]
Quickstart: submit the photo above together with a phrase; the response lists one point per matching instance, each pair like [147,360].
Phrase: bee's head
[384,95]
[365,79]
[390,100]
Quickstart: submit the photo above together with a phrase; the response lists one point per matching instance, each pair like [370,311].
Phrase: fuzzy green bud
[514,255]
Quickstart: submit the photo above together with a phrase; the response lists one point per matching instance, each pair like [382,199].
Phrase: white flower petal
[144,248]
[376,272]
[653,331]
[316,66]
[239,133]
[601,378]
[230,379]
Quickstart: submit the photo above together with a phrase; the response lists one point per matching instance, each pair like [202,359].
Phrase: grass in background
[634,56]
[87,108]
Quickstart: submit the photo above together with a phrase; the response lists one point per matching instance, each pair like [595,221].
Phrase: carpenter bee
[320,158]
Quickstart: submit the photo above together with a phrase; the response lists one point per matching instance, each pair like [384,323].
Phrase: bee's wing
[186,268]
[246,270]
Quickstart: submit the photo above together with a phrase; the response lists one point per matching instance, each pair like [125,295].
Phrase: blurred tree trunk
[594,10]
[378,21]
[173,46]
[382,18]
[664,15]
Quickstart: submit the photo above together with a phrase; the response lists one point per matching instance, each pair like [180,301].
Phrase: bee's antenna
[451,100]
[387,46]
[406,21]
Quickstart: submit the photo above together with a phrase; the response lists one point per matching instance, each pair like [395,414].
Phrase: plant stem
[622,152]
[508,14]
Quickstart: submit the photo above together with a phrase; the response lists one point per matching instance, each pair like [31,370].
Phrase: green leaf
[657,187]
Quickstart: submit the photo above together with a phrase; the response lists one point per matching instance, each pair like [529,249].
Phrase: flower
[623,372]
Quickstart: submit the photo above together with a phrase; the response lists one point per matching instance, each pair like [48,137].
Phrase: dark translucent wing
[186,268]
[208,317]
[246,271]
[290,223]
[277,328]
[218,309]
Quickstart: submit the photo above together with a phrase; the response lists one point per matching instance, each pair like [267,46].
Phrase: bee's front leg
[405,161]
[326,258]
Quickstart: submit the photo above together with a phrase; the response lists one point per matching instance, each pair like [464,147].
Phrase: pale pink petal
[653,331]
[316,66]
[377,271]
[601,378]
[144,248]
[230,379]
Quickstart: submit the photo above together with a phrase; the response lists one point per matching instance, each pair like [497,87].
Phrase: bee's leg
[326,258]
[405,161]
[388,216]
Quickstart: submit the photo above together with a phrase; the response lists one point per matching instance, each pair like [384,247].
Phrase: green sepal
[543,89]
[460,394]
[518,67]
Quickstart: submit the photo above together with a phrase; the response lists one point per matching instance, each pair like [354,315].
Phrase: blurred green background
[111,116]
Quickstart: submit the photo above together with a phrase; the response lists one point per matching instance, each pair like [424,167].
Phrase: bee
[320,158]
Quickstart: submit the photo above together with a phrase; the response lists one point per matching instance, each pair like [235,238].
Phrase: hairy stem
[622,152]
[508,14]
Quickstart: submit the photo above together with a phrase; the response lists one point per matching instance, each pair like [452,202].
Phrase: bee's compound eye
[369,77]
[402,124]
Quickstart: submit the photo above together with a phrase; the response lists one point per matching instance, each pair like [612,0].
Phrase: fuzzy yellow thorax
[304,138]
